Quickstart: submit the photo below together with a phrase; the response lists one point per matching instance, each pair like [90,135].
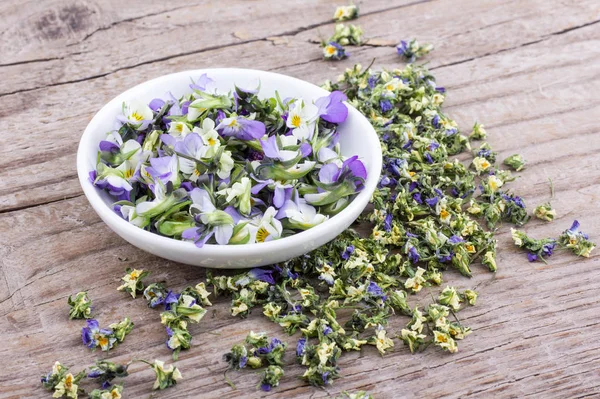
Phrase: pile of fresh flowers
[228,168]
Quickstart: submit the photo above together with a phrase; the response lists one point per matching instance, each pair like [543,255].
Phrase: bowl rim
[110,217]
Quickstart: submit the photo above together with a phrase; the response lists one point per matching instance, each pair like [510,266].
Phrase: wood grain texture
[529,70]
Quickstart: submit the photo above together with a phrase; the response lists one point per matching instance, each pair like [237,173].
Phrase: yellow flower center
[442,338]
[212,141]
[389,87]
[339,13]
[102,340]
[68,381]
[129,173]
[134,274]
[296,120]
[262,234]
[444,214]
[136,116]
[233,123]
[330,50]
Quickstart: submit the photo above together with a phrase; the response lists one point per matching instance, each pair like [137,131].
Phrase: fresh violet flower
[327,330]
[302,120]
[300,215]
[137,114]
[192,146]
[216,222]
[331,108]
[156,104]
[202,83]
[164,169]
[271,148]
[281,192]
[241,128]
[532,257]
[163,201]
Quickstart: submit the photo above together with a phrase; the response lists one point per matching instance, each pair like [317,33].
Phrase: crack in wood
[106,27]
[24,207]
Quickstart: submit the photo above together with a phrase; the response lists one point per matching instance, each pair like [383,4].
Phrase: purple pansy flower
[262,275]
[455,240]
[300,346]
[327,330]
[265,387]
[331,108]
[202,82]
[385,105]
[164,169]
[374,290]
[156,104]
[348,252]
[532,257]
[241,128]
[432,201]
[170,299]
[413,255]
[387,223]
[271,148]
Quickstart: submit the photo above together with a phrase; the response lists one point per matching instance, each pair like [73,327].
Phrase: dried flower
[95,337]
[515,161]
[576,241]
[132,281]
[334,51]
[113,392]
[80,306]
[105,371]
[478,132]
[63,383]
[345,13]
[411,50]
[381,341]
[345,35]
[165,376]
[544,212]
[538,249]
[271,377]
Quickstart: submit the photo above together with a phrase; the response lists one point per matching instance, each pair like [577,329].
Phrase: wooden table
[529,70]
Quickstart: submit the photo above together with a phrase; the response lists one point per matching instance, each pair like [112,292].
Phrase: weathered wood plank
[18,155]
[536,326]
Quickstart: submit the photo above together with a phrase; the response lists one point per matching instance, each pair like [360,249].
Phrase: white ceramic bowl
[357,137]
